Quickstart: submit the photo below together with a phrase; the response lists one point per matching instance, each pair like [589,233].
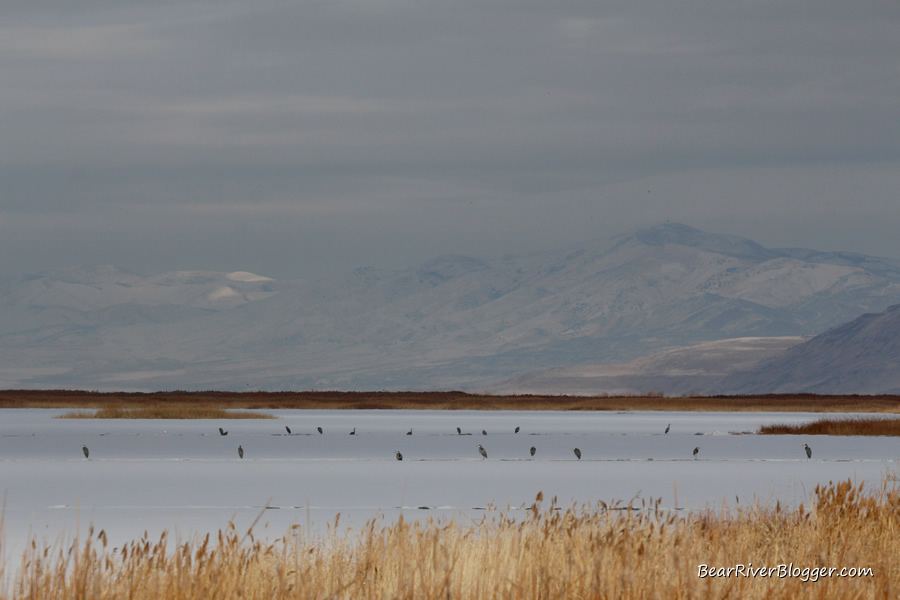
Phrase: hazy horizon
[295,140]
[561,248]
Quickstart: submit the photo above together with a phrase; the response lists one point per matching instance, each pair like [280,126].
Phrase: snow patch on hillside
[222,292]
[245,276]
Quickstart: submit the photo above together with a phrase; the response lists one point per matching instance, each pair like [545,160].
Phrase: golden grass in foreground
[845,426]
[177,411]
[575,553]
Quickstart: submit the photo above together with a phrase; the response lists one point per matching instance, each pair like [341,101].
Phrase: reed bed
[626,552]
[169,411]
[844,426]
[446,401]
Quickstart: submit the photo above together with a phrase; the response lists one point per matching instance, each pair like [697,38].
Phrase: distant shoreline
[325,400]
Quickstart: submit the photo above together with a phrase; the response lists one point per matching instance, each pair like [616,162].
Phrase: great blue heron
[222,431]
[240,452]
[409,432]
[578,453]
[517,430]
[533,450]
[288,429]
[85,450]
[398,455]
[319,429]
[353,432]
[459,431]
[808,452]
[482,451]
[696,450]
[667,428]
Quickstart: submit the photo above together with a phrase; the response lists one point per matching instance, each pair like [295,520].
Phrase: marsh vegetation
[329,400]
[164,411]
[856,425]
[606,551]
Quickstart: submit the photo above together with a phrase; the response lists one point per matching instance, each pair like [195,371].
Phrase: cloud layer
[292,139]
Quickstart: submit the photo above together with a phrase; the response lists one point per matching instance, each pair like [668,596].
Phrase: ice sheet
[184,477]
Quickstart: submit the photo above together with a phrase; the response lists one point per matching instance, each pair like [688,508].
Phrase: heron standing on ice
[482,451]
[578,453]
[319,429]
[696,450]
[667,428]
[288,429]
[808,452]
[533,450]
[398,455]
[240,452]
[85,450]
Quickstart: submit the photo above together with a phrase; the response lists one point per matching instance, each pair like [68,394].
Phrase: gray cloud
[298,138]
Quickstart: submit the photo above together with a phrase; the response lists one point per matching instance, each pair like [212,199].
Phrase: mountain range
[454,322]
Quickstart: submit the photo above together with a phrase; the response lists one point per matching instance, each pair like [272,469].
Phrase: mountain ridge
[452,322]
[862,356]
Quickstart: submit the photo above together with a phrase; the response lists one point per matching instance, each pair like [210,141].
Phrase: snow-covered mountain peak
[685,235]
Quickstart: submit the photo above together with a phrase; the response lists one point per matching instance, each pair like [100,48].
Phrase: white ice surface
[182,476]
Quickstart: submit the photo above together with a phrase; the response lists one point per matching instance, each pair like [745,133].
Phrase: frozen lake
[185,477]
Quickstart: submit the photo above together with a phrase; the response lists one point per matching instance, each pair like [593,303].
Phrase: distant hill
[692,370]
[859,357]
[454,322]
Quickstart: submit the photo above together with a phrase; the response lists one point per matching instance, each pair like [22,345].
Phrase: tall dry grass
[550,553]
[843,426]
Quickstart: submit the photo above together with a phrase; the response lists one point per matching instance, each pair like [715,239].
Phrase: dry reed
[445,401]
[843,426]
[604,552]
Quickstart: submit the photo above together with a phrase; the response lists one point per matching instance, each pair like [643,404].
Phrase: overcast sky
[294,139]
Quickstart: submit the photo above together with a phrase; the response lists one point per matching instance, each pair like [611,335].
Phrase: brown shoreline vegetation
[845,426]
[175,411]
[452,400]
[629,552]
